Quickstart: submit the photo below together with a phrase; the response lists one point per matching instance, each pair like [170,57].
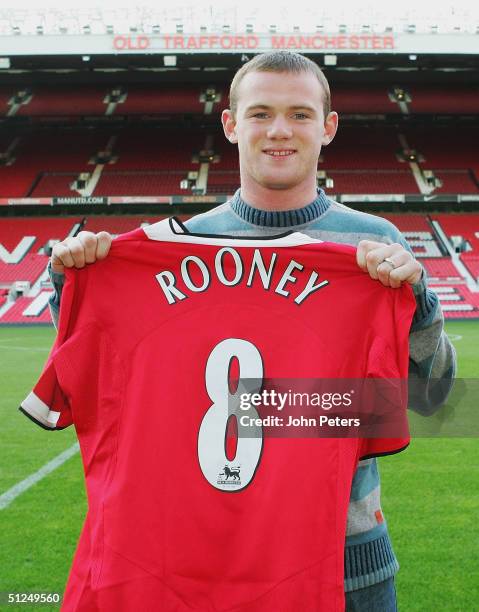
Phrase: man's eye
[260,115]
[300,116]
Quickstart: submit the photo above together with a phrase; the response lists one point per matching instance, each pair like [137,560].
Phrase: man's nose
[279,128]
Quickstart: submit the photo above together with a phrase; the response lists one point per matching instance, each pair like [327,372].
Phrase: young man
[279,118]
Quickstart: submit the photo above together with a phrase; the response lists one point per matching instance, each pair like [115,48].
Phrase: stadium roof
[64,16]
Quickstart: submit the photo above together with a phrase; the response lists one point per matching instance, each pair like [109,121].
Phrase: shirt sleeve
[386,380]
[383,405]
[48,403]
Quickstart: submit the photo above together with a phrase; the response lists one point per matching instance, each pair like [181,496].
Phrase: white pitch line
[454,337]
[12,338]
[24,348]
[7,497]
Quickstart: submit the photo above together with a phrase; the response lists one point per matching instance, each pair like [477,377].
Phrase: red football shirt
[147,341]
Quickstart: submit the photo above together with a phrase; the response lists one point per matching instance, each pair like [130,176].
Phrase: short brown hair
[280,61]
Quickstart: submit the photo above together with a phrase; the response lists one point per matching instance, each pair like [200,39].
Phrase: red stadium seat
[371,181]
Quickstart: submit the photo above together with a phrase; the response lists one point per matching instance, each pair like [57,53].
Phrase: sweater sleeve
[54,302]
[432,358]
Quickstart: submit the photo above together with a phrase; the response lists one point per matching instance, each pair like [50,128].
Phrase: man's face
[279,127]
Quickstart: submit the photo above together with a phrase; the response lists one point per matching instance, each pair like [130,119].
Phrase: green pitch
[429,493]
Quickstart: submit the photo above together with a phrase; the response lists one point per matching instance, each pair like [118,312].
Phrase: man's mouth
[279,152]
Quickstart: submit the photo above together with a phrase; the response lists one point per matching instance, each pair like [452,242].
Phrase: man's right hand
[84,248]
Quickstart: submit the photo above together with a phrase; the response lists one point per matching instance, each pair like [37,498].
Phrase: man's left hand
[391,264]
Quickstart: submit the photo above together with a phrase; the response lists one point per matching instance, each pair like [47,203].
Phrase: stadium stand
[18,312]
[22,241]
[54,185]
[155,100]
[471,261]
[465,226]
[23,262]
[372,100]
[65,101]
[42,229]
[118,224]
[227,152]
[457,181]
[421,99]
[439,99]
[445,147]
[5,95]
[54,150]
[223,182]
[372,181]
[60,100]
[457,301]
[124,158]
[28,269]
[409,222]
[21,246]
[3,296]
[52,173]
[140,183]
[133,99]
[374,168]
[165,149]
[440,269]
[363,147]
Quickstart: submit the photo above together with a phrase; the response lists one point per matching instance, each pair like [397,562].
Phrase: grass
[41,527]
[429,494]
[430,499]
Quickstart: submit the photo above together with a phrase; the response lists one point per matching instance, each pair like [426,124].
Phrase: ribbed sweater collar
[280,218]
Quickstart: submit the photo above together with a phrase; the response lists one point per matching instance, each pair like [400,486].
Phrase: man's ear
[330,127]
[229,125]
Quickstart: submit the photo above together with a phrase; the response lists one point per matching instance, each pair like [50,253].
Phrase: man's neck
[278,199]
